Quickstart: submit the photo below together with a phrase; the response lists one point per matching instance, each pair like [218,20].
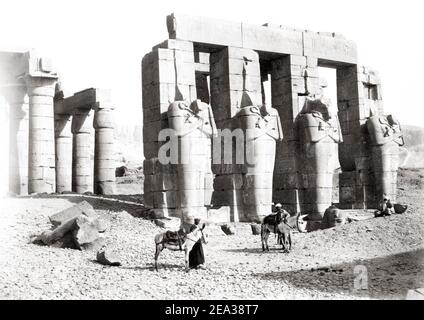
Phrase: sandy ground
[379,258]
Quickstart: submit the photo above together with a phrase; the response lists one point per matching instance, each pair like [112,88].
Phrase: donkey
[283,231]
[178,241]
[284,236]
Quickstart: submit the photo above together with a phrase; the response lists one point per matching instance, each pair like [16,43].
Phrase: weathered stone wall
[235,83]
[292,78]
[231,62]
[85,147]
[359,96]
[168,75]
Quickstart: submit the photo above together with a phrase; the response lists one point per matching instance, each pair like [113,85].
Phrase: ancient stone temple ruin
[52,137]
[209,76]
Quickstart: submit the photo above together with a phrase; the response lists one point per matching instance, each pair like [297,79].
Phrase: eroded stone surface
[296,171]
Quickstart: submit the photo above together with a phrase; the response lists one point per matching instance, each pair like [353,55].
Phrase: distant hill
[413,135]
[413,151]
[129,144]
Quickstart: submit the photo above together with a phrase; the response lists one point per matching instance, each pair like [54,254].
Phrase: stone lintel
[269,38]
[92,98]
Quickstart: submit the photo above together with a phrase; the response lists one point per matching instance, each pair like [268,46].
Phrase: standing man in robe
[196,258]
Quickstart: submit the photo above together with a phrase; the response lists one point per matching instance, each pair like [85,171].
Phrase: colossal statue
[385,138]
[194,126]
[262,128]
[318,134]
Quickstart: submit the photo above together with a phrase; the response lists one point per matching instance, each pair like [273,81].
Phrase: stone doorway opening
[328,83]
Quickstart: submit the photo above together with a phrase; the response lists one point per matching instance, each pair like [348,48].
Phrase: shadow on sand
[387,277]
[255,250]
[151,267]
[116,203]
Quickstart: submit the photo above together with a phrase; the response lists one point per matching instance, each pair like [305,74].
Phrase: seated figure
[386,208]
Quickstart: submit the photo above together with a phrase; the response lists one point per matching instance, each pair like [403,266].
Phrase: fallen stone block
[400,208]
[51,236]
[101,225]
[256,229]
[228,229]
[82,208]
[93,246]
[66,242]
[107,257]
[85,231]
[334,217]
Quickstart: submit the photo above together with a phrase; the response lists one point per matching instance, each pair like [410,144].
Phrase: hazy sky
[101,43]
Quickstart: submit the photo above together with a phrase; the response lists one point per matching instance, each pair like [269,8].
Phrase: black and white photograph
[228,151]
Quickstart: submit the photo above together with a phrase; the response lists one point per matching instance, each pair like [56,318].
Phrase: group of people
[196,255]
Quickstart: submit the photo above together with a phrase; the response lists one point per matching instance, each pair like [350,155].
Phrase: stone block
[229,230]
[219,214]
[285,196]
[191,198]
[349,89]
[108,257]
[285,181]
[285,162]
[208,196]
[228,182]
[191,180]
[315,195]
[226,198]
[150,150]
[257,181]
[257,197]
[256,229]
[167,199]
[329,48]
[317,180]
[70,213]
[272,40]
[85,231]
[174,44]
[347,194]
[199,29]
[165,181]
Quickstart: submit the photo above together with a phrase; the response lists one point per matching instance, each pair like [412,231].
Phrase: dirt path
[384,256]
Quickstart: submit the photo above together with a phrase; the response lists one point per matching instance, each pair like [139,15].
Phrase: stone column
[41,156]
[82,162]
[63,135]
[18,143]
[104,151]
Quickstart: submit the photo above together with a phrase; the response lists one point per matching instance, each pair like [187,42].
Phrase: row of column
[76,136]
[51,152]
